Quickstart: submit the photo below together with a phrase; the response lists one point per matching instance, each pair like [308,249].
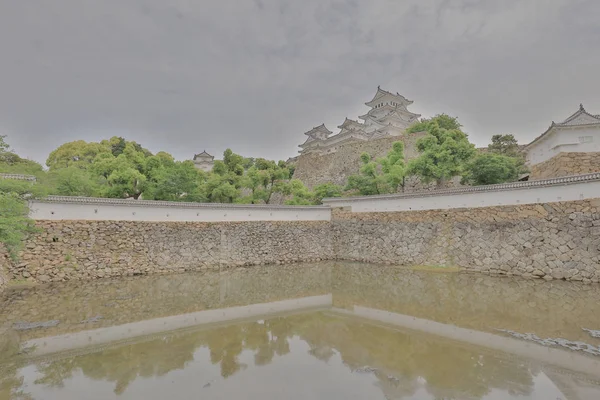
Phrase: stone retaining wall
[565,164]
[313,169]
[551,241]
[66,250]
[554,241]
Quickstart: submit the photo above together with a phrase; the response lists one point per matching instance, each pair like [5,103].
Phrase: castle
[570,147]
[387,117]
[204,161]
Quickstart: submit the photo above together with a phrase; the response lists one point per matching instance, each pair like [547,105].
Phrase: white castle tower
[204,161]
[388,116]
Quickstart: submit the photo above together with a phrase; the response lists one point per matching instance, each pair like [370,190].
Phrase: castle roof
[349,123]
[384,94]
[321,128]
[394,110]
[204,154]
[579,118]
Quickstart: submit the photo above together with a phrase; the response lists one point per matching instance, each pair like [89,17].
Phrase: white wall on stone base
[64,208]
[571,140]
[542,191]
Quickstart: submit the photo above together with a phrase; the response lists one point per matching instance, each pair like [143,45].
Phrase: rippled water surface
[308,331]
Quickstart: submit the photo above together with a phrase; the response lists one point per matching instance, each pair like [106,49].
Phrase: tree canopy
[490,168]
[444,153]
[384,175]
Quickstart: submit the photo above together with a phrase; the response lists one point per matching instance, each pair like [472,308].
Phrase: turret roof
[204,154]
[579,118]
[381,93]
[320,128]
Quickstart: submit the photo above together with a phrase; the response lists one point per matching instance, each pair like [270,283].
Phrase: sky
[184,76]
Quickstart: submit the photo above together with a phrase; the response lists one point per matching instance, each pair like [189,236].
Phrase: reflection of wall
[132,299]
[553,240]
[400,363]
[472,301]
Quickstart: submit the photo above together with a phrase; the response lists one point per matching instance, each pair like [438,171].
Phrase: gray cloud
[254,75]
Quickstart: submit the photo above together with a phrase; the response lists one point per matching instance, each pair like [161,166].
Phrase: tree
[443,121]
[369,181]
[4,147]
[79,153]
[504,144]
[220,190]
[301,195]
[507,145]
[73,181]
[394,167]
[14,222]
[326,190]
[489,169]
[174,183]
[444,153]
[233,162]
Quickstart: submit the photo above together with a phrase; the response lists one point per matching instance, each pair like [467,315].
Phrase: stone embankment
[551,241]
[336,167]
[558,240]
[81,250]
[565,164]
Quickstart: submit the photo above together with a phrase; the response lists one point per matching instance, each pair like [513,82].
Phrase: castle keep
[327,157]
[388,117]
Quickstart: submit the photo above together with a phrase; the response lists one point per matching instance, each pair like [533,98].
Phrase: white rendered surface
[64,208]
[544,191]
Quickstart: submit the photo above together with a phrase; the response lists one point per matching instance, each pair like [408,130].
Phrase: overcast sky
[253,75]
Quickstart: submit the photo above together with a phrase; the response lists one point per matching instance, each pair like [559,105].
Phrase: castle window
[586,139]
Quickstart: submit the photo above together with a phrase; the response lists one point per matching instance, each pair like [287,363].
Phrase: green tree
[504,144]
[507,145]
[326,190]
[369,181]
[233,162]
[393,167]
[14,220]
[220,190]
[4,147]
[301,195]
[79,153]
[443,121]
[73,181]
[175,183]
[444,153]
[489,169]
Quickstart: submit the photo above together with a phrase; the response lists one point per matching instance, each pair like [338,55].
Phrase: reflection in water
[306,354]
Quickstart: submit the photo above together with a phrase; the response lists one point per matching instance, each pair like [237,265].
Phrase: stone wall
[554,240]
[66,250]
[565,164]
[313,169]
[550,240]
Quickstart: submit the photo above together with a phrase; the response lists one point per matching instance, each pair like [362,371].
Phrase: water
[308,331]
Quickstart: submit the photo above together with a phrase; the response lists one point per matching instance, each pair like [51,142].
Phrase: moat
[326,330]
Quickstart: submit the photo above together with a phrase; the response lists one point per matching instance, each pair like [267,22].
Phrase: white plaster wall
[531,195]
[564,140]
[40,210]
